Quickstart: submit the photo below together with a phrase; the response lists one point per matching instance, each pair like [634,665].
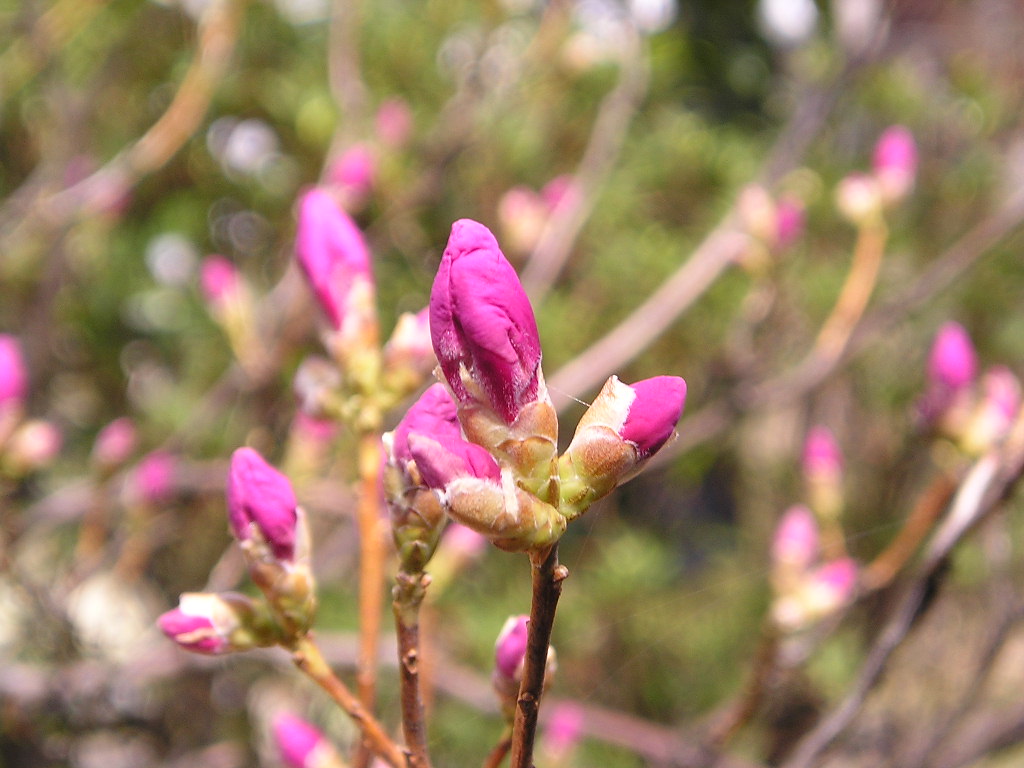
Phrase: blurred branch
[344,74]
[611,126]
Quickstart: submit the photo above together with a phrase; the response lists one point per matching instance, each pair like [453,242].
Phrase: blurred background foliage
[99,263]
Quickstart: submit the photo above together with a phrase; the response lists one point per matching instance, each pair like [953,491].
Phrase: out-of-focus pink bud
[563,730]
[953,363]
[219,281]
[463,543]
[313,429]
[316,385]
[859,198]
[831,586]
[822,457]
[443,458]
[13,376]
[795,545]
[394,123]
[33,446]
[210,624]
[510,647]
[153,478]
[115,443]
[354,173]
[995,414]
[261,503]
[561,190]
[789,222]
[522,214]
[895,163]
[482,325]
[301,744]
[333,254]
[409,353]
[757,213]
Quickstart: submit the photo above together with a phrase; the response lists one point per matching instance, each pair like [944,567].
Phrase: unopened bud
[220,283]
[823,472]
[13,375]
[33,446]
[795,545]
[509,658]
[394,123]
[859,198]
[153,478]
[821,593]
[996,412]
[114,444]
[261,504]
[895,163]
[353,174]
[215,624]
[562,732]
[952,368]
[409,354]
[301,745]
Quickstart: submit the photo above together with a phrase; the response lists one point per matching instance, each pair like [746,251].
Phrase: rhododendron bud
[522,214]
[485,338]
[509,658]
[562,732]
[261,503]
[952,363]
[153,478]
[353,173]
[219,281]
[336,261]
[214,624]
[394,123]
[823,473]
[996,412]
[301,744]
[482,325]
[820,594]
[13,377]
[795,545]
[33,446]
[789,222]
[895,163]
[416,511]
[409,354]
[114,444]
[618,434]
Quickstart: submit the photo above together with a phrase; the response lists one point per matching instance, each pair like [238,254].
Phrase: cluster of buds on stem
[501,474]
[267,522]
[822,466]
[862,197]
[807,589]
[773,224]
[976,414]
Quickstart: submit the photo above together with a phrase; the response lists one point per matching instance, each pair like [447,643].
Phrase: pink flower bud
[354,171]
[510,647]
[795,544]
[522,214]
[207,623]
[314,430]
[219,281]
[995,414]
[261,501]
[115,443]
[409,354]
[822,458]
[154,477]
[482,325]
[831,586]
[332,253]
[34,446]
[13,377]
[858,197]
[394,123]
[789,222]
[652,415]
[463,543]
[952,364]
[443,458]
[301,745]
[564,727]
[895,163]
[433,415]
[561,190]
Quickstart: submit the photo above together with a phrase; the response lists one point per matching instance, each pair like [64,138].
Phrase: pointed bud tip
[952,363]
[510,647]
[260,495]
[296,739]
[654,413]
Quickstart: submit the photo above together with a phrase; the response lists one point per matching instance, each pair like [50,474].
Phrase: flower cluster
[486,444]
[862,197]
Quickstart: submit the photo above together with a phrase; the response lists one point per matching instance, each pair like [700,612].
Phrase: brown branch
[408,597]
[308,658]
[371,567]
[497,755]
[548,576]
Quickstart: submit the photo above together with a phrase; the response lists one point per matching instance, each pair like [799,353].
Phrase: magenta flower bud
[795,545]
[33,446]
[332,253]
[154,477]
[433,415]
[301,745]
[463,543]
[789,222]
[394,123]
[560,191]
[952,364]
[354,171]
[13,376]
[209,624]
[831,585]
[443,458]
[115,443]
[821,458]
[482,325]
[510,647]
[895,163]
[564,728]
[261,501]
[219,281]
[652,416]
[994,415]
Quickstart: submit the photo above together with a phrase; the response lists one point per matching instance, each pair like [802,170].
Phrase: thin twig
[548,576]
[371,567]
[308,658]
[497,755]
[408,597]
